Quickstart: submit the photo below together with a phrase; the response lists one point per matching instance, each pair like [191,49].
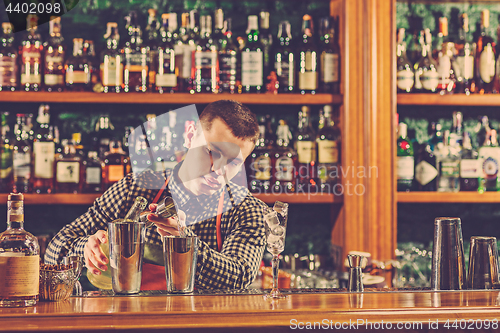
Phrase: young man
[217,148]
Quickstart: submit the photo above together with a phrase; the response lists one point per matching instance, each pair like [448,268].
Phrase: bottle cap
[485,18]
[16,197]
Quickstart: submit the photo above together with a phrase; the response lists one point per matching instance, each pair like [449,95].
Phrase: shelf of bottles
[445,197]
[450,100]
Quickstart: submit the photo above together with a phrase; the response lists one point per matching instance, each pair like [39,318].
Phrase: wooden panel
[457,99]
[438,197]
[178,98]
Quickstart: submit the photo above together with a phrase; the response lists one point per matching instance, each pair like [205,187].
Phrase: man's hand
[166,226]
[95,259]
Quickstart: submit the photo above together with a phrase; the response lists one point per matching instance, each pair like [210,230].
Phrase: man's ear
[190,133]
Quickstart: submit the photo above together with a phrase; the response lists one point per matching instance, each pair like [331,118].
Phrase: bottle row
[463,65]
[448,161]
[196,57]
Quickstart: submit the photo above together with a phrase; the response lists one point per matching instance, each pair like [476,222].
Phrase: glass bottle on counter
[426,75]
[116,164]
[31,53]
[284,160]
[92,174]
[485,57]
[405,77]
[489,159]
[308,59]
[112,61]
[329,144]
[228,61]
[284,59]
[166,78]
[55,51]
[78,69]
[470,168]
[135,75]
[68,171]
[405,159]
[252,59]
[205,66]
[8,59]
[43,153]
[6,149]
[305,143]
[448,160]
[20,255]
[464,61]
[21,157]
[329,79]
[259,162]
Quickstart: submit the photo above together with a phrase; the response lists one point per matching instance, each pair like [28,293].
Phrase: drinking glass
[275,221]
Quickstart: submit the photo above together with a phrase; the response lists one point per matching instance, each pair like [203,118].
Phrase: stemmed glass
[275,221]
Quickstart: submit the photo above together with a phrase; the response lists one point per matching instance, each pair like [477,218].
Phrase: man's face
[212,153]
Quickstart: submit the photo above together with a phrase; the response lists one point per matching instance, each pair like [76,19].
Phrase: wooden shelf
[88,199]
[446,197]
[454,100]
[176,98]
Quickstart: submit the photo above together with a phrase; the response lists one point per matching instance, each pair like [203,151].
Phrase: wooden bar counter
[370,311]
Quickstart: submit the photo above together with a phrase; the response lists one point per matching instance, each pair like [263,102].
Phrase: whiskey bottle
[405,77]
[20,255]
[470,169]
[78,69]
[8,59]
[166,77]
[260,164]
[116,164]
[205,66]
[21,156]
[464,61]
[448,160]
[329,79]
[485,57]
[266,39]
[112,61]
[152,44]
[405,160]
[6,148]
[89,53]
[184,48]
[135,75]
[103,134]
[284,160]
[329,144]
[426,75]
[53,73]
[67,170]
[489,159]
[425,165]
[92,174]
[228,61]
[308,58]
[220,28]
[31,54]
[252,59]
[43,153]
[305,142]
[284,59]
[445,59]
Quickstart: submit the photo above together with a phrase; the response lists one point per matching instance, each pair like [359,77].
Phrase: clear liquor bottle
[329,79]
[116,164]
[252,59]
[266,39]
[329,144]
[78,69]
[166,77]
[152,42]
[426,75]
[135,75]
[8,59]
[43,153]
[92,174]
[305,145]
[6,149]
[464,61]
[31,55]
[470,168]
[489,159]
[112,61]
[445,59]
[284,59]
[228,61]
[448,166]
[205,66]
[485,57]
[55,51]
[68,171]
[284,161]
[259,163]
[405,160]
[308,58]
[20,255]
[405,76]
[21,157]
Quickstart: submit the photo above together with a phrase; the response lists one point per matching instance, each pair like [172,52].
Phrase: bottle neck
[15,215]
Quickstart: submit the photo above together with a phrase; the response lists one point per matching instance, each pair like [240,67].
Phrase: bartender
[227,219]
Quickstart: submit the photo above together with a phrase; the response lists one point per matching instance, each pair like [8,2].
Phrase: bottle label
[112,71]
[425,173]
[465,67]
[450,169]
[68,172]
[31,78]
[252,68]
[262,167]
[205,59]
[31,54]
[490,167]
[405,165]
[487,64]
[183,55]
[54,59]
[8,71]
[115,173]
[429,80]
[228,63]
[284,169]
[5,163]
[22,162]
[308,81]
[53,79]
[93,175]
[328,151]
[19,275]
[136,62]
[405,79]
[306,151]
[44,159]
[470,168]
[73,76]
[166,80]
[444,67]
[330,67]
[285,71]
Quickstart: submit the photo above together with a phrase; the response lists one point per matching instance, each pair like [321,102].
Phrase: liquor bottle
[68,171]
[305,146]
[135,77]
[484,132]
[112,61]
[166,78]
[55,51]
[445,58]
[6,149]
[284,59]
[78,69]
[464,61]
[31,54]
[21,157]
[184,48]
[116,164]
[152,44]
[308,59]
[284,159]
[414,47]
[426,164]
[266,40]
[426,75]
[103,134]
[135,211]
[448,160]
[457,131]
[470,168]
[20,264]
[405,159]
[329,79]
[259,164]
[205,66]
[43,153]
[92,174]
[329,144]
[89,53]
[485,57]
[219,35]
[252,59]
[405,77]
[8,59]
[228,61]
[489,159]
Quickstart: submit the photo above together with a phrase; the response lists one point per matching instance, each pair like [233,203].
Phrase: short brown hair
[241,121]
